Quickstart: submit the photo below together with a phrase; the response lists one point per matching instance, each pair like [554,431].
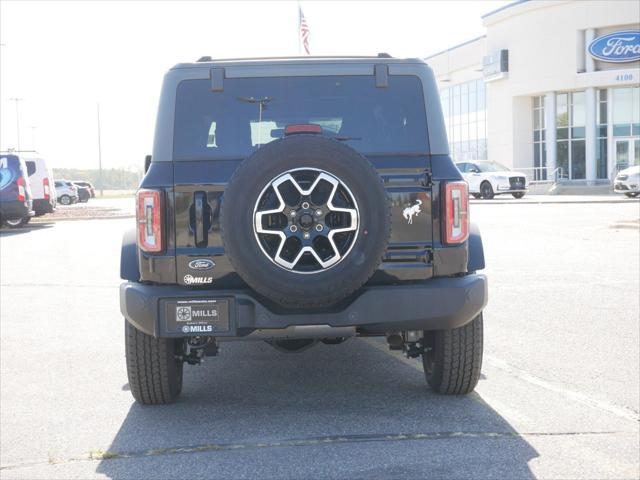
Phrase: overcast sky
[62,58]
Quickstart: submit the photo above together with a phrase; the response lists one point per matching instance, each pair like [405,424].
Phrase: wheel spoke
[308,246]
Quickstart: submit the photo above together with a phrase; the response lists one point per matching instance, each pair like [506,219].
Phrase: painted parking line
[499,364]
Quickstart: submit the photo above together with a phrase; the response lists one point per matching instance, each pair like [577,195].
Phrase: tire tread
[458,358]
[149,367]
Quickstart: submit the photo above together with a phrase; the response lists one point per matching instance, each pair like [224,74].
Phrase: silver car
[628,181]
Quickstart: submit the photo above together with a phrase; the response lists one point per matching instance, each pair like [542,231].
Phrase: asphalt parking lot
[559,395]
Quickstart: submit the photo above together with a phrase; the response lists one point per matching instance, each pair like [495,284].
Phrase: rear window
[31,167]
[251,112]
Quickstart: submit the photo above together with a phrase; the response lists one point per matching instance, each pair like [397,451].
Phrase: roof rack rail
[283,57]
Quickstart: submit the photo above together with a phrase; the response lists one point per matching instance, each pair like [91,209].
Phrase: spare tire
[305,221]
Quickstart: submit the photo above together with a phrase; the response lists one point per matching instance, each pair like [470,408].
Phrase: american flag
[304,30]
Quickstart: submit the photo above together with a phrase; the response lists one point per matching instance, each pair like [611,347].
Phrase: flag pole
[298,30]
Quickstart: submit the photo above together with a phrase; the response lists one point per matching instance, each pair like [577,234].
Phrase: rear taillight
[456,212]
[22,196]
[46,189]
[149,218]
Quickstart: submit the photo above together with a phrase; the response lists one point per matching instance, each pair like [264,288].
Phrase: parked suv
[66,192]
[296,201]
[16,203]
[84,193]
[88,185]
[488,179]
[627,181]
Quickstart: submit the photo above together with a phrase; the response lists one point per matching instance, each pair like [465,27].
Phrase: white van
[42,186]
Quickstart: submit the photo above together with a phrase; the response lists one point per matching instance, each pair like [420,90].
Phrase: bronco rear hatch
[220,121]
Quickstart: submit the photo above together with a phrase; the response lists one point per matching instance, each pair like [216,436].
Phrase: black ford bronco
[295,201]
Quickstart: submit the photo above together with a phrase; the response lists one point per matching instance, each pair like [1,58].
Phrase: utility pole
[99,155]
[17,100]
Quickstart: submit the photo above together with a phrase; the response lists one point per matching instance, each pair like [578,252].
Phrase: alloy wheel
[306,220]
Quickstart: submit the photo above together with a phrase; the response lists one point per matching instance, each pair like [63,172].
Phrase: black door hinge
[427,179]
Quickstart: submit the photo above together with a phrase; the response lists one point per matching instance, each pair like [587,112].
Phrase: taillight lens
[46,188]
[22,196]
[456,212]
[149,218]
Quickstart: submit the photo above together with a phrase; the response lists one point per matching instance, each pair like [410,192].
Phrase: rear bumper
[436,304]
[42,206]
[15,210]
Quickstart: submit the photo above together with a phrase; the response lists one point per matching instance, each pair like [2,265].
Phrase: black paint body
[415,251]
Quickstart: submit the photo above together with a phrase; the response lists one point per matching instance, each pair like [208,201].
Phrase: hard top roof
[208,62]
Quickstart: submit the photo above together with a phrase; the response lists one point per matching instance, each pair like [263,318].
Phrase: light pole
[99,154]
[33,137]
[17,100]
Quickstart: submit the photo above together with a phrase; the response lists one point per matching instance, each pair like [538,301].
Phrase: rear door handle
[200,199]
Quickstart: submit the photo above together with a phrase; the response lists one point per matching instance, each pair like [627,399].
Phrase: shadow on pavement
[8,232]
[332,412]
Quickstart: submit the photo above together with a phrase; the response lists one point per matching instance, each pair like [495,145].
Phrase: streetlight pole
[99,154]
[33,137]
[17,121]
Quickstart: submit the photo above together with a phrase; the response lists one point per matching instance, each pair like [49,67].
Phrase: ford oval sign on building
[617,47]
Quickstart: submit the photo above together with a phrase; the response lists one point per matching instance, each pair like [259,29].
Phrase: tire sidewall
[486,193]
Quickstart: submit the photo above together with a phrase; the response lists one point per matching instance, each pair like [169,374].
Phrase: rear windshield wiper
[344,138]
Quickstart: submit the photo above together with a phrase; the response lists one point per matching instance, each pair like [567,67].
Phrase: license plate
[197,317]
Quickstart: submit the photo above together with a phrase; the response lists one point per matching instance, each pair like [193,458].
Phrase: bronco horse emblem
[409,212]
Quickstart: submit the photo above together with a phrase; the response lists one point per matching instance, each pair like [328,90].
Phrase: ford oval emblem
[201,264]
[617,47]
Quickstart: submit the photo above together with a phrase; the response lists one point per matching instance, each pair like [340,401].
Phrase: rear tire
[518,194]
[486,190]
[65,200]
[631,194]
[20,222]
[155,374]
[453,360]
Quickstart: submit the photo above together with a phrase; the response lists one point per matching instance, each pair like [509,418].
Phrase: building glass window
[626,112]
[571,120]
[601,133]
[464,112]
[539,145]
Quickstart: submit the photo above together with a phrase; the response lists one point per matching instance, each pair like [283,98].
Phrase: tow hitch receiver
[196,348]
[413,345]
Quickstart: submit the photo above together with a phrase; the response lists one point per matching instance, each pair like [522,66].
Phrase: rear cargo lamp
[302,128]
[46,189]
[456,212]
[149,218]
[22,196]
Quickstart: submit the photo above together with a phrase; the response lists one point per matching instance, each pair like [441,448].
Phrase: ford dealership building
[552,89]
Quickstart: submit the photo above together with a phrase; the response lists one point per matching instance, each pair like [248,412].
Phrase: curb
[550,202]
[73,219]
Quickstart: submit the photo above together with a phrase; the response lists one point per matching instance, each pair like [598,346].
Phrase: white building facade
[552,88]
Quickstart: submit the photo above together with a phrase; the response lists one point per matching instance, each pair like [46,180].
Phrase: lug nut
[319,228]
[293,229]
[306,235]
[305,205]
